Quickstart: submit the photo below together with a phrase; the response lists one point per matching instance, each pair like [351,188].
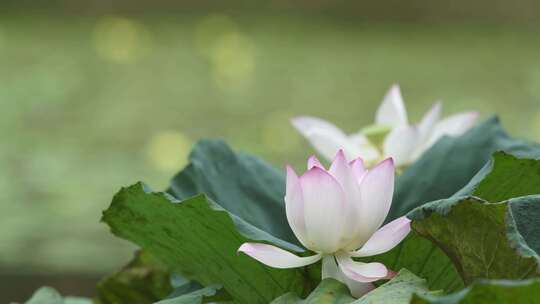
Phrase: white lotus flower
[404,142]
[337,213]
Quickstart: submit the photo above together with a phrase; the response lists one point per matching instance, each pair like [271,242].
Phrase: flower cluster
[336,213]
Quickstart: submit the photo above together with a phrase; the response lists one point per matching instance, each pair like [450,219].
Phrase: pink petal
[385,238]
[377,190]
[294,205]
[292,180]
[361,272]
[401,144]
[391,274]
[392,111]
[358,169]
[314,162]
[340,169]
[324,210]
[276,257]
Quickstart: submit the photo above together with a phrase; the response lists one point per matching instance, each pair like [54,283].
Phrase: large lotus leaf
[493,239]
[399,290]
[202,295]
[240,183]
[480,237]
[489,292]
[328,291]
[143,280]
[199,240]
[425,259]
[507,177]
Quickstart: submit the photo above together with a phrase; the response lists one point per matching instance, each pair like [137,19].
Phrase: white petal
[327,139]
[363,149]
[401,143]
[323,136]
[305,124]
[327,144]
[426,128]
[377,190]
[314,162]
[276,257]
[454,125]
[392,111]
[429,120]
[361,272]
[385,238]
[451,126]
[330,269]
[324,210]
[294,206]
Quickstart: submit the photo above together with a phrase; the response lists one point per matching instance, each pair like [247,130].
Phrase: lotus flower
[404,142]
[337,213]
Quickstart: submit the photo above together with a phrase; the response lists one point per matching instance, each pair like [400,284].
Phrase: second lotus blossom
[402,141]
[337,214]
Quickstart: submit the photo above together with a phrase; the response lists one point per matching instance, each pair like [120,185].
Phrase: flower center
[376,134]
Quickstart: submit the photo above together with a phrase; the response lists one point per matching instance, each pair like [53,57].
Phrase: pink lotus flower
[404,142]
[337,213]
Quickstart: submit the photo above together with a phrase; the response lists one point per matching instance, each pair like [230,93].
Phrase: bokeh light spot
[121,40]
[230,53]
[168,150]
[233,60]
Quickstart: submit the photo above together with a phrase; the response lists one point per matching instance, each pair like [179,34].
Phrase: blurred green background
[98,95]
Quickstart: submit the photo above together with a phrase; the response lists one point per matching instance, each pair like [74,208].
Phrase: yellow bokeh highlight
[230,52]
[233,59]
[121,40]
[168,150]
